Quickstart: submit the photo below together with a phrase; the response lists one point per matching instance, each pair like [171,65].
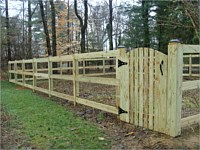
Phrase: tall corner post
[174,93]
[122,92]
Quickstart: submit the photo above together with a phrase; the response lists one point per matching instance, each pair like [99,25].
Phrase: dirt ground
[122,135]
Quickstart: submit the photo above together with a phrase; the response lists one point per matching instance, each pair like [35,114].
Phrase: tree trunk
[83,26]
[53,26]
[23,34]
[145,16]
[68,26]
[46,31]
[110,25]
[30,54]
[8,32]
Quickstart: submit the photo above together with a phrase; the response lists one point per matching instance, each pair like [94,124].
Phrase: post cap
[175,41]
[121,46]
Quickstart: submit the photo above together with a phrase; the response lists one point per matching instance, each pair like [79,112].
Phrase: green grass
[47,124]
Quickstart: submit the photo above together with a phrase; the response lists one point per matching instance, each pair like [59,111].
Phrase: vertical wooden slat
[163,92]
[141,96]
[136,86]
[131,87]
[156,92]
[174,93]
[151,87]
[146,87]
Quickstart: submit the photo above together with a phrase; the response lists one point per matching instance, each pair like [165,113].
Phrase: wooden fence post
[23,70]
[75,82]
[174,93]
[34,76]
[190,65]
[49,75]
[83,66]
[61,67]
[9,74]
[15,68]
[104,70]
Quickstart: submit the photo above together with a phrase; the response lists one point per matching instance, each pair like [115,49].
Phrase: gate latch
[121,111]
[121,63]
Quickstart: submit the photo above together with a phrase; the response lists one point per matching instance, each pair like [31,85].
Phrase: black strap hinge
[121,111]
[121,63]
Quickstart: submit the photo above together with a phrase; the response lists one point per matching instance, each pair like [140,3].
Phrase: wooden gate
[148,90]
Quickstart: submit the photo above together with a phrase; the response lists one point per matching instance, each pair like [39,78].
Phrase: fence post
[83,66]
[75,77]
[49,75]
[104,71]
[190,65]
[61,67]
[174,93]
[34,76]
[23,70]
[9,74]
[15,68]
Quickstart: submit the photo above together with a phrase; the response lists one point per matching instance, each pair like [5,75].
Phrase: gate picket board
[151,86]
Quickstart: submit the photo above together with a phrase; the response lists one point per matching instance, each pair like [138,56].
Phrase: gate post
[174,93]
[122,73]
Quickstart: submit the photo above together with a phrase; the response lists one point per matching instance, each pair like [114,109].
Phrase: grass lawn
[47,124]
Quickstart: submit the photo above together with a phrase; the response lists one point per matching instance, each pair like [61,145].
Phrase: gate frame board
[122,73]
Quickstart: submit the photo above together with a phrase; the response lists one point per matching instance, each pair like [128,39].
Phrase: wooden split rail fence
[191,59]
[148,83]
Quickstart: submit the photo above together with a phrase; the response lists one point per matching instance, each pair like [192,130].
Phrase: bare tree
[46,31]
[8,32]
[83,25]
[192,11]
[53,26]
[110,25]
[29,30]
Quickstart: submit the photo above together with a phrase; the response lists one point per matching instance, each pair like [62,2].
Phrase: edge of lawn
[47,124]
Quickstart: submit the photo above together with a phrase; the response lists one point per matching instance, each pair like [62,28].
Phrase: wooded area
[42,28]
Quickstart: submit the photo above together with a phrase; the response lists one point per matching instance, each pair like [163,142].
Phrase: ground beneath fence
[122,135]
[106,94]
